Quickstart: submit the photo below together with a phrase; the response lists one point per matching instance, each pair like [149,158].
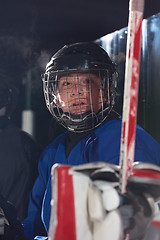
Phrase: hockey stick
[129,114]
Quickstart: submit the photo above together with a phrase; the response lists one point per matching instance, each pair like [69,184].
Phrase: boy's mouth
[78,104]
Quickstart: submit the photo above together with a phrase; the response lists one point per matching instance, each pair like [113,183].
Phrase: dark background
[31,31]
[51,24]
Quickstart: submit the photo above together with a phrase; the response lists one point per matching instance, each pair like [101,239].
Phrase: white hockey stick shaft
[129,114]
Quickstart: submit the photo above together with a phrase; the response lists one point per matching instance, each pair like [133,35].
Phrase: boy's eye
[88,81]
[66,83]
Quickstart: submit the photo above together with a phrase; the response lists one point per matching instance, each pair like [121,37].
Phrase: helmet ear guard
[79,59]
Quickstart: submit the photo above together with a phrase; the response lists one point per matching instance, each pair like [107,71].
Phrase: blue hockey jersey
[102,144]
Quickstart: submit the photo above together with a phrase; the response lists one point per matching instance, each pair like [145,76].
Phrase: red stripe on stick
[131,91]
[66,229]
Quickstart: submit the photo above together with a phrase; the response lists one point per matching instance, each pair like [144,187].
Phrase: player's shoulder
[58,140]
[48,154]
[112,127]
[51,148]
[144,137]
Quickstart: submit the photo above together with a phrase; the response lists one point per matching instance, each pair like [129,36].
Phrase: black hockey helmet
[79,58]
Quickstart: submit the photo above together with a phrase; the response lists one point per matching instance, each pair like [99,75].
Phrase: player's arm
[33,224]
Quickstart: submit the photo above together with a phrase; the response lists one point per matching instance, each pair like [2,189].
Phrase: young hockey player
[79,87]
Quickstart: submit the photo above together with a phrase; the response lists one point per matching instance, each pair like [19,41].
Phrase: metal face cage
[79,100]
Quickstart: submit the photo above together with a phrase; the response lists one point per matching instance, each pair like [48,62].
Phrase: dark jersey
[19,155]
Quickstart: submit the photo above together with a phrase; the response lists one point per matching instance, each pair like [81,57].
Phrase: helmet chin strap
[86,121]
[77,123]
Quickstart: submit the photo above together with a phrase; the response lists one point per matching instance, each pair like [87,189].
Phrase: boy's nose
[77,89]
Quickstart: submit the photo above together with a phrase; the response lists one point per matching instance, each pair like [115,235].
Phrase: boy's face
[80,92]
